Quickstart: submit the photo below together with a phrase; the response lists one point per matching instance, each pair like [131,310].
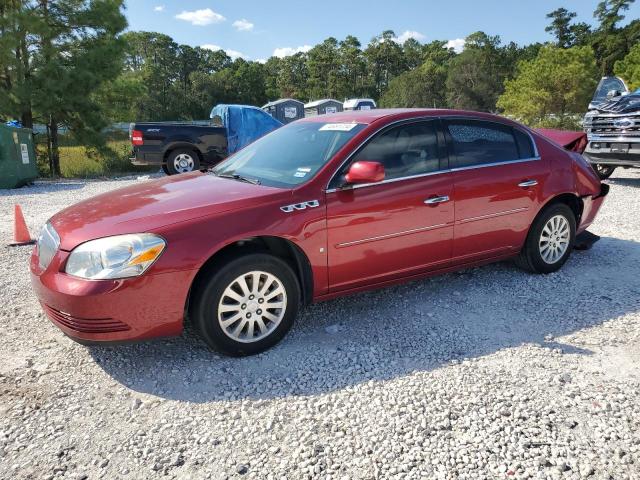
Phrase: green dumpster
[17,157]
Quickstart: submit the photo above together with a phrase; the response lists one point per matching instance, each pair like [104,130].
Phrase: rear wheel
[182,161]
[604,171]
[247,305]
[550,240]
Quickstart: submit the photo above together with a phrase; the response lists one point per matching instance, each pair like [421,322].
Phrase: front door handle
[436,200]
[528,183]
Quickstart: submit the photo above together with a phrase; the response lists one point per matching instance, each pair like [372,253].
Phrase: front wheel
[550,240]
[247,305]
[604,171]
[182,161]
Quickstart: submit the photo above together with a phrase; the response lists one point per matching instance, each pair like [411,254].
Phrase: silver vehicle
[613,127]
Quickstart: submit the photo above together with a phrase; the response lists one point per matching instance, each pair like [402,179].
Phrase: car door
[498,177]
[397,227]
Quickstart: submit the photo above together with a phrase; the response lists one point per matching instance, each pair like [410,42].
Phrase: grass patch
[78,161]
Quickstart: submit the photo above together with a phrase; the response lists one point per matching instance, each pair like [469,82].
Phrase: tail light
[137,138]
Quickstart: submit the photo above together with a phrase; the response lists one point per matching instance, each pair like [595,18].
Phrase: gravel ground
[484,374]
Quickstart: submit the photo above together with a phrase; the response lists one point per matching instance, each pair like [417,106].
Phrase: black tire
[192,161]
[165,169]
[604,171]
[530,257]
[209,293]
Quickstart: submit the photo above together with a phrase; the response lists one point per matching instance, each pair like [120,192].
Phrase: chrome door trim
[493,215]
[438,172]
[391,235]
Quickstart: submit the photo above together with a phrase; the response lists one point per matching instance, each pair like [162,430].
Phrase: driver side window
[405,151]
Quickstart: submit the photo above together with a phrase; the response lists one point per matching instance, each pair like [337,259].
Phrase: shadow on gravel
[390,333]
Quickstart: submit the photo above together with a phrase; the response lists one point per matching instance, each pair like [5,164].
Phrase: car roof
[370,116]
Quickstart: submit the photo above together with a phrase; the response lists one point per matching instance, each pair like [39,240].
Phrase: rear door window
[476,142]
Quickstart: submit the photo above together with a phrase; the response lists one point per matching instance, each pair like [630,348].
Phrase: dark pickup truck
[185,147]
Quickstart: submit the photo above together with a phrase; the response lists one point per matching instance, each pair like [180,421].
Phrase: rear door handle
[435,200]
[528,183]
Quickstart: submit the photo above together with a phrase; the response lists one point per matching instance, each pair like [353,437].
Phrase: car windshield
[290,155]
[607,85]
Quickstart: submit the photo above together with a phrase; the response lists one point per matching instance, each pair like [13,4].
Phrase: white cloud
[159,8]
[288,51]
[243,25]
[410,34]
[201,17]
[232,53]
[457,44]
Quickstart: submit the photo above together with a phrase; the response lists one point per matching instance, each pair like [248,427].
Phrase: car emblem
[300,206]
[623,123]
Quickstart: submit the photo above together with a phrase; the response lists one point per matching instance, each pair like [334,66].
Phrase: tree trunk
[54,151]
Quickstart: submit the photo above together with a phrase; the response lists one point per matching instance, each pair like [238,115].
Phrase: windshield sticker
[300,174]
[338,127]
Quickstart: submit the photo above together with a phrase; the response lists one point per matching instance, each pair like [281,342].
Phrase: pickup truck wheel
[604,171]
[182,161]
[165,169]
[247,305]
[550,240]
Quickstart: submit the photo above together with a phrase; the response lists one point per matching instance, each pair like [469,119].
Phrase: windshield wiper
[235,176]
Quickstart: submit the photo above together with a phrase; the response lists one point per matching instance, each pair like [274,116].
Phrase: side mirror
[365,172]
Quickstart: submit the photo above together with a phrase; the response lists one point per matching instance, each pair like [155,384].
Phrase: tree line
[70,63]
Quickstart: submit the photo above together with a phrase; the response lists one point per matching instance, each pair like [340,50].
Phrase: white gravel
[484,374]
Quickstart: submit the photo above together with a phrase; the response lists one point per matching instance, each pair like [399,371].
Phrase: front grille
[86,325]
[605,126]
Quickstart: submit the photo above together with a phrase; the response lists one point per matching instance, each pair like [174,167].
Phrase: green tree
[629,68]
[323,65]
[567,33]
[293,76]
[610,42]
[476,76]
[63,53]
[609,13]
[353,69]
[413,53]
[421,87]
[385,61]
[551,89]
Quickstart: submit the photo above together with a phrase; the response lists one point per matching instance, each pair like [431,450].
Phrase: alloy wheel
[554,239]
[252,306]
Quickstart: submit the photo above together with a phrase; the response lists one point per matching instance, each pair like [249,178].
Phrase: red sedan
[323,207]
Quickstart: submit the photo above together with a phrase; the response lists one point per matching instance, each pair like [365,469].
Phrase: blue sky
[257,29]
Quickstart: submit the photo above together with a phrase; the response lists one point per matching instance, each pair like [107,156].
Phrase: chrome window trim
[437,172]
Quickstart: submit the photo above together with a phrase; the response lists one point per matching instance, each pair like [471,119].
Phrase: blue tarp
[244,124]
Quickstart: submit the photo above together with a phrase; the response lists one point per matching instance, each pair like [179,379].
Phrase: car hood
[157,203]
[626,104]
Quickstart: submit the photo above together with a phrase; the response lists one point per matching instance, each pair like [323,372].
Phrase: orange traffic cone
[21,234]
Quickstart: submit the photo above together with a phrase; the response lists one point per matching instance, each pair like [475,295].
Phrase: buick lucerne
[323,207]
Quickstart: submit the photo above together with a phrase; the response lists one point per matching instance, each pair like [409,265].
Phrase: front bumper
[600,152]
[131,309]
[591,208]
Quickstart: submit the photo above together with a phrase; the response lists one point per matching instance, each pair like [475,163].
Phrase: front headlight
[121,256]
